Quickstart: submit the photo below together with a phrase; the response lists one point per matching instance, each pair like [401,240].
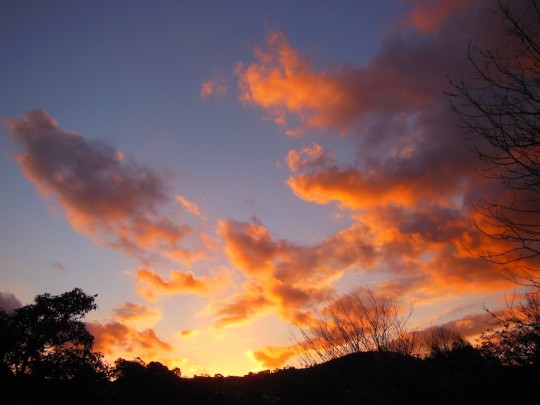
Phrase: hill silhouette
[359,378]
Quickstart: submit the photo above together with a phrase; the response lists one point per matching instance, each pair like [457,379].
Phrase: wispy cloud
[189,206]
[216,87]
[150,284]
[186,334]
[59,266]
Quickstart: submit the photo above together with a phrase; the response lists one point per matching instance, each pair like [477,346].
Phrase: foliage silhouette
[138,382]
[46,352]
[48,338]
[441,341]
[514,339]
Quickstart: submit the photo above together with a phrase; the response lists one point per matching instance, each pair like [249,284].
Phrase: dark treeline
[367,377]
[46,358]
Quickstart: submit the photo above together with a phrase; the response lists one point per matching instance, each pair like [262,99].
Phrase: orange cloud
[115,339]
[284,276]
[250,247]
[310,156]
[418,228]
[272,357]
[426,253]
[242,307]
[350,188]
[281,81]
[413,179]
[128,335]
[289,89]
[149,284]
[188,333]
[418,251]
[105,195]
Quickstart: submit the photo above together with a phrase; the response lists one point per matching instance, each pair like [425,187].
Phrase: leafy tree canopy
[49,339]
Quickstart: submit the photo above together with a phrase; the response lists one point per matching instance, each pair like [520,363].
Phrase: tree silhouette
[500,106]
[355,322]
[441,341]
[139,382]
[48,338]
[136,369]
[515,336]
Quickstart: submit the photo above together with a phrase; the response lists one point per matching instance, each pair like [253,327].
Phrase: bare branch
[499,105]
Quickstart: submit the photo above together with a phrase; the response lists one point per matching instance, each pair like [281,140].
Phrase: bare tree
[441,341]
[355,322]
[500,106]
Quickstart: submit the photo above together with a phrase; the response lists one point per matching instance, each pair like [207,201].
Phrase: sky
[212,168]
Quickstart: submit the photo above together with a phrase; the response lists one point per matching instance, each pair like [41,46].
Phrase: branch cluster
[499,104]
[355,322]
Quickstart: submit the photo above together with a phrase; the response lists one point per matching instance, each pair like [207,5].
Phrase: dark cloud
[8,301]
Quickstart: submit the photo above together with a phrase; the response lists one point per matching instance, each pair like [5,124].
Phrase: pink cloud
[105,195]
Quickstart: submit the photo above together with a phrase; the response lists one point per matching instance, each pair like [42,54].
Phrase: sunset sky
[210,168]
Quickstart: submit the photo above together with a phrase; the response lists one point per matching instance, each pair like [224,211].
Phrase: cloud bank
[413,184]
